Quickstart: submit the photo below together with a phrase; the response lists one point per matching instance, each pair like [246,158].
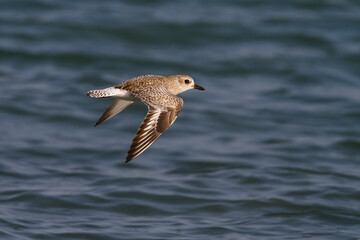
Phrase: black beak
[198,87]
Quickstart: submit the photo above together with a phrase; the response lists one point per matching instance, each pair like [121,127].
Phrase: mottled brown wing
[157,120]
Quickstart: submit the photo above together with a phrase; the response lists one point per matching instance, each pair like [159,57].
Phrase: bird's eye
[187,81]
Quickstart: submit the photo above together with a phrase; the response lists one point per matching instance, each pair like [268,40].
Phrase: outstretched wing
[116,107]
[162,112]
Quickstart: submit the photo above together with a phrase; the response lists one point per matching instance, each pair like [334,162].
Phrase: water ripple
[269,151]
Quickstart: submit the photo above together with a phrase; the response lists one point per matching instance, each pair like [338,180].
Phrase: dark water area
[271,149]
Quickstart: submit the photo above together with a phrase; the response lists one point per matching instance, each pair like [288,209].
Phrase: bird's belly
[126,95]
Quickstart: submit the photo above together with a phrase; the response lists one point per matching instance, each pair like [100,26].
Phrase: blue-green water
[271,149]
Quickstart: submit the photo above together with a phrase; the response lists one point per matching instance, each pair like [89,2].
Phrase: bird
[159,93]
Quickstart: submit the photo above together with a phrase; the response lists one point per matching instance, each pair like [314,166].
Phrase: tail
[116,107]
[102,93]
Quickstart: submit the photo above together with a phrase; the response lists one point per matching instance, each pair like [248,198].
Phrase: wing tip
[129,158]
[100,121]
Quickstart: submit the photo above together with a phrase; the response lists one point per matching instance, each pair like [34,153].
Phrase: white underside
[122,94]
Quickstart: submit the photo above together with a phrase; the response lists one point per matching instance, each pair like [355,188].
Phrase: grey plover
[159,94]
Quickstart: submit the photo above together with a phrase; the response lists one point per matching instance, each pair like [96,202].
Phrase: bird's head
[182,83]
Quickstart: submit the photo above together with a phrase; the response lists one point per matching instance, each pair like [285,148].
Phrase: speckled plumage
[159,94]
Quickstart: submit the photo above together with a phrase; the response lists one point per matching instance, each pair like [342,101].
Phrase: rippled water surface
[271,149]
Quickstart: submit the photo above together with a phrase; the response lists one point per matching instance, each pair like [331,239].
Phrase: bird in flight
[159,94]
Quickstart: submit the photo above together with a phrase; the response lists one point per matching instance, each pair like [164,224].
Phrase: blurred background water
[271,149]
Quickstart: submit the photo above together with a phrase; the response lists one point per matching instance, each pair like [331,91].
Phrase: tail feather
[102,93]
